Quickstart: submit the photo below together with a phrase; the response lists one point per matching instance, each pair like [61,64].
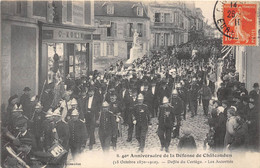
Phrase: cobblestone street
[197,124]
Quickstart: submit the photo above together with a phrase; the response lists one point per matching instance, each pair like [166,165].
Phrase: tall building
[116,22]
[38,34]
[168,23]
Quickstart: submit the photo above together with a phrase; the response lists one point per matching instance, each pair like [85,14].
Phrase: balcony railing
[166,25]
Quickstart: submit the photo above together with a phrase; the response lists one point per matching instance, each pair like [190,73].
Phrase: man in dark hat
[166,122]
[141,121]
[25,101]
[91,115]
[255,93]
[253,125]
[107,127]
[77,132]
[221,92]
[243,89]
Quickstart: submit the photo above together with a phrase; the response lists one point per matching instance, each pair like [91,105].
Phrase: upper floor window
[157,17]
[110,9]
[140,11]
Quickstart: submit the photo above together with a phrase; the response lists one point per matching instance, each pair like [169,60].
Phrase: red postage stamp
[241,21]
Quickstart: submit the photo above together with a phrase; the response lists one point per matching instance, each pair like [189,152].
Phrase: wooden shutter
[115,29]
[116,49]
[144,31]
[105,48]
[125,29]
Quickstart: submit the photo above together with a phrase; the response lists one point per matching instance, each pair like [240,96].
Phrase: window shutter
[153,17]
[144,35]
[162,17]
[101,49]
[172,18]
[105,49]
[125,29]
[115,49]
[162,39]
[115,29]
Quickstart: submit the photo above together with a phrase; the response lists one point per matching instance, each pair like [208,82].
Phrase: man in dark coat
[141,121]
[166,122]
[91,115]
[77,130]
[221,92]
[25,101]
[129,114]
[255,93]
[194,97]
[177,106]
[107,127]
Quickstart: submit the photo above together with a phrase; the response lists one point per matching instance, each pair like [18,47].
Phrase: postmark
[237,21]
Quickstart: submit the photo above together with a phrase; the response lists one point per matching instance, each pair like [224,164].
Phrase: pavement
[197,124]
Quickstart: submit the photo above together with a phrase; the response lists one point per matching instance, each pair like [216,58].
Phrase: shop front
[65,51]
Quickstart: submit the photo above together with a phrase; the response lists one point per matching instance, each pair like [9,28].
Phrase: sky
[207,9]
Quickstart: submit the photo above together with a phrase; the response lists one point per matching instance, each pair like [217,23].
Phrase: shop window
[55,61]
[157,17]
[109,31]
[140,11]
[80,60]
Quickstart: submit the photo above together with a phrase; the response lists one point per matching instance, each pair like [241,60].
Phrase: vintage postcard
[128,83]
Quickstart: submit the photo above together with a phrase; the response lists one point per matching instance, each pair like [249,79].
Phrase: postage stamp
[240,26]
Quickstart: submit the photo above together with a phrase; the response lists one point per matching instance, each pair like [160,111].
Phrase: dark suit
[142,117]
[177,106]
[166,122]
[91,116]
[107,129]
[78,136]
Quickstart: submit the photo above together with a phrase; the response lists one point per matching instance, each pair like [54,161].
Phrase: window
[176,18]
[54,67]
[109,31]
[157,39]
[140,29]
[69,11]
[40,8]
[110,49]
[18,7]
[110,9]
[140,11]
[157,17]
[166,39]
[167,18]
[96,49]
[129,30]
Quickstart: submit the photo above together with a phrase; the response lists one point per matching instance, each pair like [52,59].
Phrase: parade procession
[189,94]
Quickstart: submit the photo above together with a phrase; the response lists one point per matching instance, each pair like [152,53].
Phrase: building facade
[116,23]
[168,23]
[34,32]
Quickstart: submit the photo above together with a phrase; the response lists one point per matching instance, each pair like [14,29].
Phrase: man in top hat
[183,94]
[107,127]
[177,106]
[91,115]
[194,90]
[141,121]
[255,93]
[47,97]
[25,101]
[206,95]
[78,132]
[166,122]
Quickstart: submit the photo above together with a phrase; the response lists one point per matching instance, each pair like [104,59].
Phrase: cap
[74,101]
[56,112]
[105,104]
[26,89]
[18,108]
[221,109]
[174,92]
[140,97]
[165,99]
[74,112]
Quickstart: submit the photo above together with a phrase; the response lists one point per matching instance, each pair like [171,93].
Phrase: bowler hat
[255,85]
[26,89]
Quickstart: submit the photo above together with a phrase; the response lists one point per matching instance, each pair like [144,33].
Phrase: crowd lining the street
[63,118]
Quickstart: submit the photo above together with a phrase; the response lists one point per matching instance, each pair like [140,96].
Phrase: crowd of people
[64,116]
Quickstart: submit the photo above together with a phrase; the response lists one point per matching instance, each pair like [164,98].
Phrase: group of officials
[65,115]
